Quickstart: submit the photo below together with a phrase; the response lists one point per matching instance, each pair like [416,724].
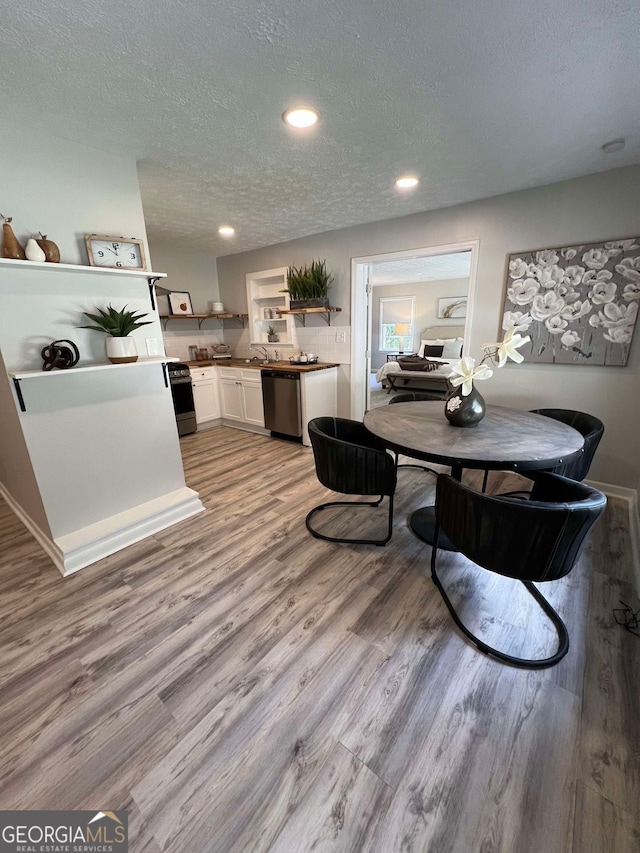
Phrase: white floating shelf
[141,362]
[36,265]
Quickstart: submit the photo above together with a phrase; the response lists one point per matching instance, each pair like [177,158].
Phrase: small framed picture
[452,306]
[180,303]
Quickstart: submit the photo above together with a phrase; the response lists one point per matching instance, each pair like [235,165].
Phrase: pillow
[436,342]
[452,348]
[432,350]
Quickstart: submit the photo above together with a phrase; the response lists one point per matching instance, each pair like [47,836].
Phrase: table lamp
[401,330]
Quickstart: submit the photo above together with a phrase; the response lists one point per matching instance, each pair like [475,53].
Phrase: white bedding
[394,367]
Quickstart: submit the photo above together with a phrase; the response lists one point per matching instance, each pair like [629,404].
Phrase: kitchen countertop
[257,365]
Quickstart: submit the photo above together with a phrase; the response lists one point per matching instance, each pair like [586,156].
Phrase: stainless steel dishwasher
[281,398]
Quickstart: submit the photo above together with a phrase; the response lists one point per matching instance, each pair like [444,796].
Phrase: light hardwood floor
[240,686]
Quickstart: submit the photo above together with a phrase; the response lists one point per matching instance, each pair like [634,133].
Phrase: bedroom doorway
[398,299]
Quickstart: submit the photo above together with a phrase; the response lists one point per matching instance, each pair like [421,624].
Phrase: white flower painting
[578,304]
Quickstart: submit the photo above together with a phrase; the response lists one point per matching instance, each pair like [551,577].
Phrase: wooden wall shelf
[202,317]
[302,312]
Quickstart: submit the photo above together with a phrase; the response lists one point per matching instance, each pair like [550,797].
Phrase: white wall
[97,444]
[426,295]
[194,272]
[187,269]
[597,207]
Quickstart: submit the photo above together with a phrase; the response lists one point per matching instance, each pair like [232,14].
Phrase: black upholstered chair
[351,460]
[592,430]
[590,427]
[415,397]
[537,540]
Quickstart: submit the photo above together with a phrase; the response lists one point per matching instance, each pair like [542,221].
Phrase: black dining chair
[415,397]
[538,540]
[352,461]
[591,429]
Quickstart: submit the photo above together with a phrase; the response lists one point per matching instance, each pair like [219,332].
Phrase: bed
[393,377]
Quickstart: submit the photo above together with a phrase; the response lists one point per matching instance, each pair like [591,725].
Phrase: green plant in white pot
[117,325]
[272,336]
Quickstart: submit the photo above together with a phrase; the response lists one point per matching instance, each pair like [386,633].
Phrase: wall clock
[119,252]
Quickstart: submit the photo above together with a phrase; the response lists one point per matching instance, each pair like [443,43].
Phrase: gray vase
[463,411]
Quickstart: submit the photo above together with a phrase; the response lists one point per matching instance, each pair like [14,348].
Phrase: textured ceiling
[477,98]
[434,268]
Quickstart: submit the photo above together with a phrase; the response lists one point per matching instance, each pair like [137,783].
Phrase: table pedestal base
[423,523]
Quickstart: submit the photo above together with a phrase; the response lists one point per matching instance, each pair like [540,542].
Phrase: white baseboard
[85,546]
[634,530]
[245,426]
[631,496]
[214,422]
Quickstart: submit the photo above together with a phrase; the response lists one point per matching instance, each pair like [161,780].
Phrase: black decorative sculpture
[57,354]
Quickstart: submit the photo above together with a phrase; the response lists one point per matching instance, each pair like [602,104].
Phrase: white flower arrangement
[464,372]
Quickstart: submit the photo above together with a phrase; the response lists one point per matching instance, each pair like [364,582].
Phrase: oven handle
[180,380]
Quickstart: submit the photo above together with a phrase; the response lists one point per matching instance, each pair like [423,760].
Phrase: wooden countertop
[272,365]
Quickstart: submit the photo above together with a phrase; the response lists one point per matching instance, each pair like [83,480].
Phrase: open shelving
[302,312]
[202,317]
[267,289]
[79,268]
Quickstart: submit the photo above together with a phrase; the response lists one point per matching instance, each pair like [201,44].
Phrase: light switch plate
[152,346]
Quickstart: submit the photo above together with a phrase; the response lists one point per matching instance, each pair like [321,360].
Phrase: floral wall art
[578,304]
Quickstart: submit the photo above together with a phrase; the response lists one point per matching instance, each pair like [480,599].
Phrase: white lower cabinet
[242,395]
[206,395]
[252,402]
[231,399]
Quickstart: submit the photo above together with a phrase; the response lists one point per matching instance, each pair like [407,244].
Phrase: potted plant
[272,336]
[308,287]
[117,325]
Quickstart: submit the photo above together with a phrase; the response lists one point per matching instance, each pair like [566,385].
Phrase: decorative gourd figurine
[10,246]
[34,252]
[51,251]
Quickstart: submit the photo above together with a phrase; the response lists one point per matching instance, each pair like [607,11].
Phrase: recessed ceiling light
[407,182]
[226,231]
[613,146]
[300,117]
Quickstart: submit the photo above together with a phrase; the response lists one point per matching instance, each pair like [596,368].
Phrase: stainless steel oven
[182,393]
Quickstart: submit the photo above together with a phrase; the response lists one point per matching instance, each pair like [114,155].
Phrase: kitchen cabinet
[265,297]
[252,402]
[206,395]
[241,392]
[230,390]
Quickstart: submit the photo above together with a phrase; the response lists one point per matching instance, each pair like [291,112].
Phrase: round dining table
[505,440]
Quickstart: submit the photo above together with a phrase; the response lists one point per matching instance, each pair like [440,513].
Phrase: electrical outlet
[340,338]
[152,346]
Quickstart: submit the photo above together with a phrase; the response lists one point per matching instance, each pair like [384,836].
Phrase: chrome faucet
[263,352]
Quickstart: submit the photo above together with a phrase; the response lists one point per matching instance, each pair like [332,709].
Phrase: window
[396,323]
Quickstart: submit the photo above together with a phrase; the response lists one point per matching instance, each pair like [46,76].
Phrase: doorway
[425,276]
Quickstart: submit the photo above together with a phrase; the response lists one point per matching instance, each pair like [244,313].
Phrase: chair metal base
[351,541]
[561,628]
